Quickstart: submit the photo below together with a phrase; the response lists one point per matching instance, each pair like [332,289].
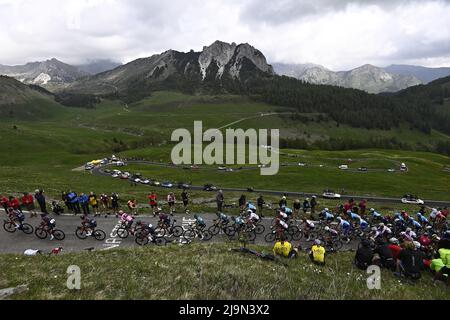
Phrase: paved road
[18,242]
[428,202]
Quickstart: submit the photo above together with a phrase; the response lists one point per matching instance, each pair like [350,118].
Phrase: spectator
[40,198]
[395,248]
[4,203]
[283,202]
[242,201]
[410,262]
[185,199]
[65,199]
[313,204]
[385,254]
[104,199]
[317,253]
[115,204]
[306,206]
[132,206]
[171,202]
[220,201]
[260,202]
[364,255]
[153,202]
[284,248]
[83,200]
[441,266]
[93,201]
[72,197]
[362,207]
[14,203]
[28,204]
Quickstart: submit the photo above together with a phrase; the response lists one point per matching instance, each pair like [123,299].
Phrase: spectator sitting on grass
[284,248]
[317,253]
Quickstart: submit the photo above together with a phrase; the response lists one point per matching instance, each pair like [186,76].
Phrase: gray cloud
[338,34]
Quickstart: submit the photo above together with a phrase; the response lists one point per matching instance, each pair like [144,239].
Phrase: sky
[339,34]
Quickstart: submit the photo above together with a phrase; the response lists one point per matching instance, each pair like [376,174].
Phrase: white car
[222,168]
[301,164]
[137,180]
[146,181]
[120,163]
[115,175]
[412,201]
[229,170]
[391,170]
[343,167]
[329,194]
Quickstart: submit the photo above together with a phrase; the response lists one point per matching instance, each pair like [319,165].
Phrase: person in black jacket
[260,203]
[364,255]
[242,202]
[410,262]
[40,198]
[387,259]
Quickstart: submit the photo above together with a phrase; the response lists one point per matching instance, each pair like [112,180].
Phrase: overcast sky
[340,34]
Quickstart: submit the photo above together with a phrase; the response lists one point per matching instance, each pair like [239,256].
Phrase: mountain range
[215,63]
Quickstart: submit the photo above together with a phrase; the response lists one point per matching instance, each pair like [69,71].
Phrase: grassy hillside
[43,153]
[202,272]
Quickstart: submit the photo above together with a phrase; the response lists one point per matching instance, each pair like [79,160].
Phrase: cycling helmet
[381,225]
[326,209]
[417,244]
[394,241]
[429,227]
[339,219]
[419,214]
[317,242]
[372,209]
[408,229]
[150,226]
[327,228]
[249,211]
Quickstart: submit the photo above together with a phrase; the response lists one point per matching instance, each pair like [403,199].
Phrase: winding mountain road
[428,202]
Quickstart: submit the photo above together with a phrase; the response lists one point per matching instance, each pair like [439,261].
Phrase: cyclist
[252,219]
[199,222]
[250,207]
[346,226]
[408,235]
[353,216]
[308,226]
[363,225]
[150,231]
[223,218]
[164,220]
[375,215]
[126,219]
[17,217]
[90,224]
[326,215]
[50,225]
[288,212]
[383,230]
[415,224]
[422,219]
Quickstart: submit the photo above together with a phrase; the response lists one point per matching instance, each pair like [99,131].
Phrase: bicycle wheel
[206,235]
[189,234]
[230,231]
[141,240]
[41,233]
[59,235]
[99,235]
[123,233]
[298,235]
[81,233]
[270,237]
[292,230]
[160,232]
[177,231]
[159,241]
[288,236]
[260,229]
[27,228]
[215,229]
[9,226]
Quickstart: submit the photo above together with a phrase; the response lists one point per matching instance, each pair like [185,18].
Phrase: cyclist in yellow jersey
[317,253]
